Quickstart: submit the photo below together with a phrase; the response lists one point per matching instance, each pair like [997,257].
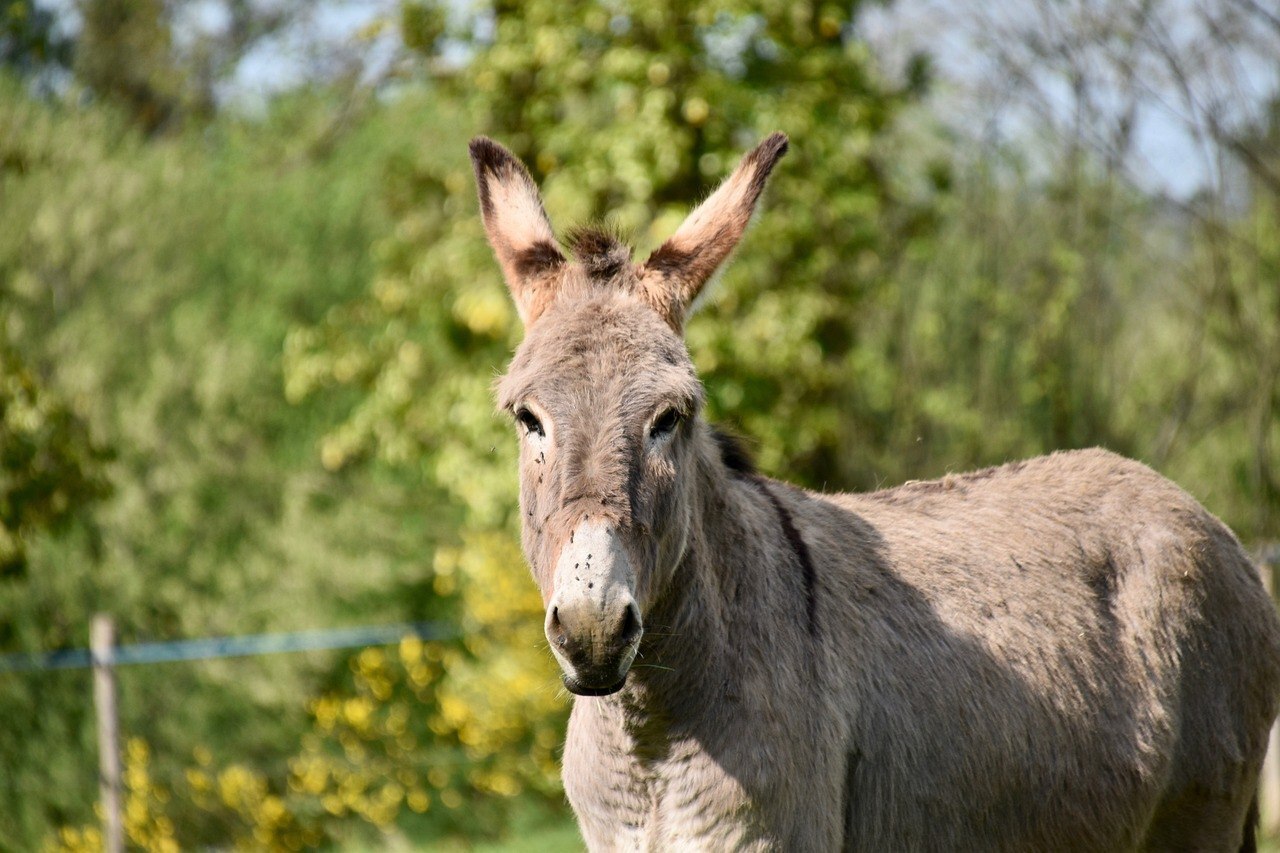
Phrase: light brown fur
[1067,653]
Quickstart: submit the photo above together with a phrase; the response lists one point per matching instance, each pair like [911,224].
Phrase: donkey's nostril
[555,629]
[631,627]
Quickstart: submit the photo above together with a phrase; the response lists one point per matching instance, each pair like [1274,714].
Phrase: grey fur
[1068,653]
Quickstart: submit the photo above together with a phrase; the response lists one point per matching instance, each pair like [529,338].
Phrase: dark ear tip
[479,144]
[489,156]
[770,151]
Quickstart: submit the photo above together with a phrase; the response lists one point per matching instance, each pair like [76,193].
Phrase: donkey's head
[606,405]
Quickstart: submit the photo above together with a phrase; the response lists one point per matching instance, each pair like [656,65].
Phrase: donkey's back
[1065,653]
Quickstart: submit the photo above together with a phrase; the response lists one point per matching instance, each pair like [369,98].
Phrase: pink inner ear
[516,225]
[516,216]
[676,272]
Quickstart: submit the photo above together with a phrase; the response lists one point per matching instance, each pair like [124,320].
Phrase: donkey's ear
[677,270]
[517,225]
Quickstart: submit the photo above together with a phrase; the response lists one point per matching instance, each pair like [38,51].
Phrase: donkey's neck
[737,594]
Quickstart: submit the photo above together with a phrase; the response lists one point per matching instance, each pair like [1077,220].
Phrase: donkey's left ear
[676,272]
[517,225]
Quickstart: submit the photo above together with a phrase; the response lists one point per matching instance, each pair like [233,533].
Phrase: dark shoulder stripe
[798,547]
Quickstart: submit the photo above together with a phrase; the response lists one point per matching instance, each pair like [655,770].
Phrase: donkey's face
[604,398]
[605,402]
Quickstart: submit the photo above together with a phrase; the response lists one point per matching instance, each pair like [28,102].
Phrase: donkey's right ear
[517,225]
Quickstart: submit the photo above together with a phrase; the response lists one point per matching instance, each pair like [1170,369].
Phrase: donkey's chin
[581,688]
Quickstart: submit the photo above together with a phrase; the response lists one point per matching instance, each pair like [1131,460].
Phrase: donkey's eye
[665,424]
[530,422]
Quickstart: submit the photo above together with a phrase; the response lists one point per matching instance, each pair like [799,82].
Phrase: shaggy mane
[601,251]
[734,452]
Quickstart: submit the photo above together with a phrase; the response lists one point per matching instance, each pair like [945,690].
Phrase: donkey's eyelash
[530,422]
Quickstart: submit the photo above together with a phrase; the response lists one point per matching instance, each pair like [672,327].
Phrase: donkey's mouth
[577,688]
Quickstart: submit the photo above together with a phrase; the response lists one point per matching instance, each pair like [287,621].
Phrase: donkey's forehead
[605,341]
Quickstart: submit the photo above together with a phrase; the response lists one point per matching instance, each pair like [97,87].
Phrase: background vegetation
[245,352]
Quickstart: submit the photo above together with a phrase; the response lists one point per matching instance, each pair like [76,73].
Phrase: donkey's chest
[681,801]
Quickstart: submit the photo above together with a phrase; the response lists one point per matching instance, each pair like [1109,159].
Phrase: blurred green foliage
[29,40]
[247,370]
[50,468]
[629,112]
[151,286]
[124,54]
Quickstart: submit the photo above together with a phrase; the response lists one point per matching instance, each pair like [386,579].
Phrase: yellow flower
[410,650]
[419,801]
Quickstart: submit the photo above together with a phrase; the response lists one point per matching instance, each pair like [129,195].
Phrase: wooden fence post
[101,649]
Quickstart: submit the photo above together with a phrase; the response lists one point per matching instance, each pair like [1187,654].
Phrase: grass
[543,837]
[558,837]
[549,839]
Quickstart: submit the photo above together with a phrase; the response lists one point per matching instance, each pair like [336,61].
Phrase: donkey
[1067,653]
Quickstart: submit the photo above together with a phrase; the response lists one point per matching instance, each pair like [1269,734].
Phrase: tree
[629,111]
[124,53]
[51,469]
[148,284]
[30,41]
[1098,74]
[1154,265]
[632,114]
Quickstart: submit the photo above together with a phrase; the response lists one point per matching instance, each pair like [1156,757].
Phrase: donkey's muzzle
[593,621]
[595,648]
